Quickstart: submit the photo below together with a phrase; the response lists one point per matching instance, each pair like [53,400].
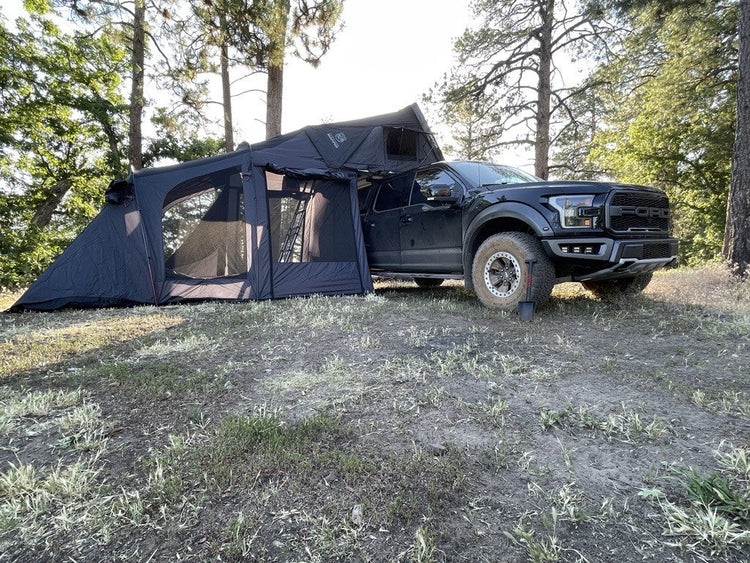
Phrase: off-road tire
[428,282]
[499,271]
[612,289]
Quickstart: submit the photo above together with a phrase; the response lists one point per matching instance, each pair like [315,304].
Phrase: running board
[410,275]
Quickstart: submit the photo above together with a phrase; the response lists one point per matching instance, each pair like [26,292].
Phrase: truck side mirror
[441,193]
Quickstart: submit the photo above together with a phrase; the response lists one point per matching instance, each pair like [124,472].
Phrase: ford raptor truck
[486,223]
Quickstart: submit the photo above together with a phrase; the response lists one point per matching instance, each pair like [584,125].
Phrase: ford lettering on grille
[656,212]
[638,211]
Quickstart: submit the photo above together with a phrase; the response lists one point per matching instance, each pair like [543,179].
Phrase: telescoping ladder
[295,228]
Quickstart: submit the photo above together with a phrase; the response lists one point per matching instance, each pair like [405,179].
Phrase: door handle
[407,219]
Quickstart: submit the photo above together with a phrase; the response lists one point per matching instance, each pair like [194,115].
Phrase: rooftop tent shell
[275,219]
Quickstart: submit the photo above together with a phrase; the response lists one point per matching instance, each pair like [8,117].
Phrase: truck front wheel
[499,271]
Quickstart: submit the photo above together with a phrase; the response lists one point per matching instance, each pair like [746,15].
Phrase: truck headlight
[576,211]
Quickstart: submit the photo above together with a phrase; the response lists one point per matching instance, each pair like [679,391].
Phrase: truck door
[431,224]
[381,222]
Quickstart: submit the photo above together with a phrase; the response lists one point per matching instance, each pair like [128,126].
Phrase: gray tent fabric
[276,219]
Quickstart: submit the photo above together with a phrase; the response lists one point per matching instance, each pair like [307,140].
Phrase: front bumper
[606,258]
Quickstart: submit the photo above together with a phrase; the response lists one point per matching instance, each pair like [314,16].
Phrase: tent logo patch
[337,140]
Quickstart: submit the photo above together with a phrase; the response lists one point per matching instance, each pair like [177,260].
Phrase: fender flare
[504,210]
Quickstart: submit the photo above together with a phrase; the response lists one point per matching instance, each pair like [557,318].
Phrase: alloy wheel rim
[502,274]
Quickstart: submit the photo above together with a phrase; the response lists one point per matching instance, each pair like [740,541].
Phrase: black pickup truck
[484,223]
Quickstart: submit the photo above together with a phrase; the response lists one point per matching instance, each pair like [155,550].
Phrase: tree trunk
[275,84]
[43,212]
[226,87]
[114,158]
[542,141]
[274,96]
[736,249]
[135,152]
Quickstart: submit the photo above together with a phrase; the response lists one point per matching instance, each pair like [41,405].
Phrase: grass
[625,424]
[712,515]
[423,550]
[408,425]
[734,460]
[15,405]
[83,428]
[32,349]
[545,549]
[241,534]
[43,504]
[699,527]
[725,402]
[400,488]
[494,409]
[716,491]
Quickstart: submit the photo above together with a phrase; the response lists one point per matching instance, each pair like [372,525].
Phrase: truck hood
[559,188]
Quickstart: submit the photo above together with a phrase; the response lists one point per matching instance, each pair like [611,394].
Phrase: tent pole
[145,247]
[151,275]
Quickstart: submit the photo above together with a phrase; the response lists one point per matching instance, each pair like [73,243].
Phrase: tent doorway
[310,220]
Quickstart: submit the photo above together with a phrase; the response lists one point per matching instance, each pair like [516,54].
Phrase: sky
[388,55]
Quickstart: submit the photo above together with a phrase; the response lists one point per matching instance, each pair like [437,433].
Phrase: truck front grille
[634,212]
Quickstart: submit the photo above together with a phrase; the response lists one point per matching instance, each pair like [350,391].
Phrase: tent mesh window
[310,220]
[401,143]
[203,227]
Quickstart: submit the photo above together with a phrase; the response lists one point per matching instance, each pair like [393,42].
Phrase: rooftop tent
[275,219]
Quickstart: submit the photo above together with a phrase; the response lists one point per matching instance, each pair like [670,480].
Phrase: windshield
[488,174]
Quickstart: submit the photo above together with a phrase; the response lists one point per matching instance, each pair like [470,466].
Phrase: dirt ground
[408,425]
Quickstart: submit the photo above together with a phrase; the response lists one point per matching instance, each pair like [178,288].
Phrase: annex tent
[276,219]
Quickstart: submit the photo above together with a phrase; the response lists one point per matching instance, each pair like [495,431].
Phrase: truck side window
[362,192]
[393,193]
[429,182]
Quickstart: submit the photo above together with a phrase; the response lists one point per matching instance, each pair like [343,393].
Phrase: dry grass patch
[33,349]
[273,465]
[46,504]
[625,424]
[16,406]
[8,298]
[705,286]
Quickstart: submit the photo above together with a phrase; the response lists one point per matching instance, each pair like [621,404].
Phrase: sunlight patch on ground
[45,346]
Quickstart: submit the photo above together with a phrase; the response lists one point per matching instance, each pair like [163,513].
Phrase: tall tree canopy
[127,21]
[62,121]
[214,37]
[253,36]
[668,114]
[507,77]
